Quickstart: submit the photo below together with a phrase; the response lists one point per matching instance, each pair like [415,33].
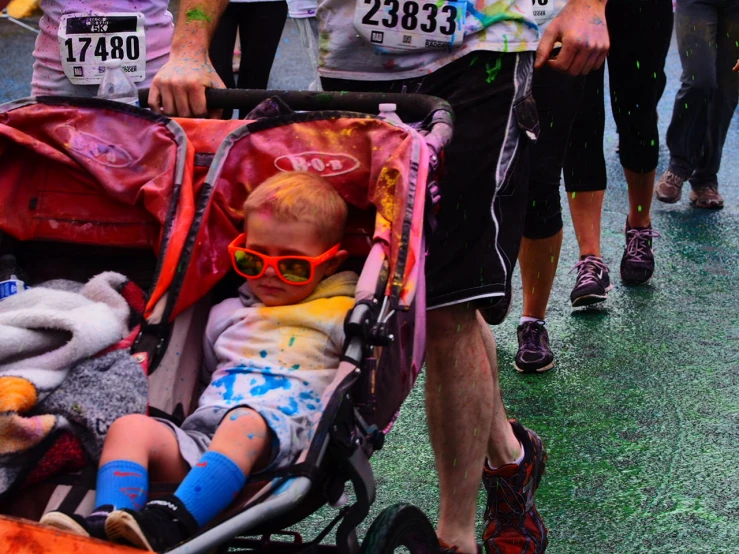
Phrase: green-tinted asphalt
[639,414]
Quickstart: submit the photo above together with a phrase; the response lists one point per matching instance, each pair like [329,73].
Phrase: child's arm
[736,67]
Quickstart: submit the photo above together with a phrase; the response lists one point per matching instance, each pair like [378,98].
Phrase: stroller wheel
[398,526]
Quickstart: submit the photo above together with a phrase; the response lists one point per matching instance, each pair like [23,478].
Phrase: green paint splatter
[638,66]
[652,142]
[639,208]
[573,194]
[324,97]
[473,60]
[197,14]
[494,70]
[686,105]
[292,341]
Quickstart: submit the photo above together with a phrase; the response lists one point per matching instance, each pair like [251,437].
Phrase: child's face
[276,237]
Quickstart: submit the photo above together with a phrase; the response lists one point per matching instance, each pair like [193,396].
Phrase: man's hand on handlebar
[179,88]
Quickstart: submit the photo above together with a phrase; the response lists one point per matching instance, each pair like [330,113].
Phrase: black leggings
[260,27]
[640,32]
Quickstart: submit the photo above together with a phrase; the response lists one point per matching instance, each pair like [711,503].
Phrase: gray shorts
[291,434]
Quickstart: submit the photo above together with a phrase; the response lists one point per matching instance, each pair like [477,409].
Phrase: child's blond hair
[300,196]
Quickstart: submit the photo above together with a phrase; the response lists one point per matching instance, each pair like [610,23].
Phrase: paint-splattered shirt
[254,351]
[48,75]
[497,25]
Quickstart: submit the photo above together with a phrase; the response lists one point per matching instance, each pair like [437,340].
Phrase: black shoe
[534,354]
[90,526]
[159,526]
[637,263]
[592,284]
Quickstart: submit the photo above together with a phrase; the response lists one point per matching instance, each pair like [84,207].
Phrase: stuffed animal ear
[17,394]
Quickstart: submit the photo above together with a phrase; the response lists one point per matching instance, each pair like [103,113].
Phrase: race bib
[86,41]
[543,10]
[400,26]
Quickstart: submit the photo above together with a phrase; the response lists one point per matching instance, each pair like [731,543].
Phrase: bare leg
[149,443]
[586,209]
[464,412]
[538,259]
[244,438]
[641,190]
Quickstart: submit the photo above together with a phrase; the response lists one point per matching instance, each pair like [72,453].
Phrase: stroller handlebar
[434,112]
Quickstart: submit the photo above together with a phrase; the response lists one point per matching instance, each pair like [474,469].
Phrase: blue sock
[210,486]
[122,484]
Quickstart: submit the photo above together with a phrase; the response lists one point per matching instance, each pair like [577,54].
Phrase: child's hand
[736,67]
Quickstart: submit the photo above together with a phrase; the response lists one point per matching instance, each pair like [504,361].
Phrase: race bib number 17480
[86,41]
[398,26]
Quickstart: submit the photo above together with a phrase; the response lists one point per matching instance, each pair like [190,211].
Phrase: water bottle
[10,277]
[387,112]
[116,85]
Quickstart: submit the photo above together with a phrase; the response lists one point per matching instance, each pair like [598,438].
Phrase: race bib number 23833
[398,26]
[86,41]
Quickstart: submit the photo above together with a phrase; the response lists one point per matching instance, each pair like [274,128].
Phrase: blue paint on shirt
[291,409]
[271,382]
[263,353]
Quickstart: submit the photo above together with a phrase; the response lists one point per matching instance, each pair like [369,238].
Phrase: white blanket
[43,331]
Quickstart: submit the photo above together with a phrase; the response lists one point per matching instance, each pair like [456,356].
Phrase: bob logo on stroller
[324,163]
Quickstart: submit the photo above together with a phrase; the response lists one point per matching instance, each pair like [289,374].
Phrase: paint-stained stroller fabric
[277,360]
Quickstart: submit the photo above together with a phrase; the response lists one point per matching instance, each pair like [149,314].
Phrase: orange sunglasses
[293,270]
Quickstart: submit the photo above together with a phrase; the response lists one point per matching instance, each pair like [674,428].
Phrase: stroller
[167,197]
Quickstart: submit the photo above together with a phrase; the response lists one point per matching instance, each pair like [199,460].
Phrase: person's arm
[179,87]
[581,28]
[736,67]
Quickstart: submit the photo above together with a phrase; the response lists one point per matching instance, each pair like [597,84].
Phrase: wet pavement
[640,414]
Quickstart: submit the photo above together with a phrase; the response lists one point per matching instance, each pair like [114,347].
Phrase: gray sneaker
[669,187]
[706,197]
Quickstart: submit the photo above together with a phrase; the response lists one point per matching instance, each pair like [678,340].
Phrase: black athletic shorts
[484,188]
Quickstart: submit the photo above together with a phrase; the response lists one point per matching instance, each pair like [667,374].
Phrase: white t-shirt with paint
[48,74]
[546,10]
[367,39]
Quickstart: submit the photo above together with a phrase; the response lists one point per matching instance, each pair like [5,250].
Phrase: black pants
[260,27]
[483,190]
[708,41]
[558,98]
[640,32]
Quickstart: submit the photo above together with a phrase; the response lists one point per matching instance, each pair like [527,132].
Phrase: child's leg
[240,445]
[136,446]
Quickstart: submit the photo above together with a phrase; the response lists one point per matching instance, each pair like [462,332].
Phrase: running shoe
[637,263]
[706,197]
[90,526]
[160,525]
[512,522]
[669,188]
[593,282]
[534,354]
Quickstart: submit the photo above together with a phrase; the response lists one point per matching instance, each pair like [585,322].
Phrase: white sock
[525,319]
[518,460]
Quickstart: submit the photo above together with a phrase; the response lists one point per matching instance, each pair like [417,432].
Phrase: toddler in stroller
[270,353]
